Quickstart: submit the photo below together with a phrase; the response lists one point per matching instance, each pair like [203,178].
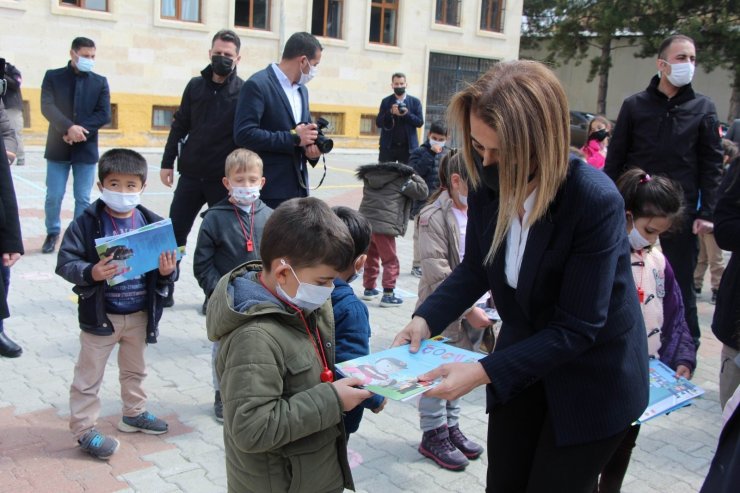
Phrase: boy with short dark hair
[351,318]
[425,160]
[282,410]
[230,234]
[389,190]
[126,314]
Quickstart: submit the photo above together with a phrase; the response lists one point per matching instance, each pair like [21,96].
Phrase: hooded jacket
[221,242]
[426,164]
[282,426]
[388,193]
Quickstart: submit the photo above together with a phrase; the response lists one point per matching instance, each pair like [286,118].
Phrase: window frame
[444,9]
[491,25]
[324,33]
[162,107]
[82,4]
[334,116]
[384,6]
[178,13]
[268,20]
[374,132]
[113,125]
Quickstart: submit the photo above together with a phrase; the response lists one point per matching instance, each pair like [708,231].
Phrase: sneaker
[370,294]
[145,422]
[169,301]
[218,407]
[697,290]
[436,445]
[389,300]
[50,243]
[714,297]
[416,271]
[468,447]
[98,445]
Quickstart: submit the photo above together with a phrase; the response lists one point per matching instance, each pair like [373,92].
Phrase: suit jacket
[573,323]
[411,121]
[69,98]
[262,124]
[10,225]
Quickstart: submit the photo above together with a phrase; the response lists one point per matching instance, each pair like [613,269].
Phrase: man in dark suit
[398,118]
[76,102]
[273,119]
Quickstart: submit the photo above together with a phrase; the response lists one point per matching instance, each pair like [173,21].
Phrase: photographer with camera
[273,120]
[398,118]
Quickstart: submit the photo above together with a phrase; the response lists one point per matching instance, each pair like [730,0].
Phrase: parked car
[579,121]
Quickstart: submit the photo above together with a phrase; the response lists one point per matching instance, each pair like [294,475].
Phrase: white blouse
[516,242]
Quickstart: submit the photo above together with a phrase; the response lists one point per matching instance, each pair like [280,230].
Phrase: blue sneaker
[98,445]
[389,299]
[370,294]
[145,422]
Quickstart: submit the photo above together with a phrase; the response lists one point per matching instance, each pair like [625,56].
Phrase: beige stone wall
[148,60]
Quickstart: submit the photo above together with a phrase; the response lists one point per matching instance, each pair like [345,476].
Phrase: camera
[402,108]
[324,143]
[3,82]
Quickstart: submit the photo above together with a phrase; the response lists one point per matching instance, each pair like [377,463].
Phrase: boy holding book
[126,314]
[230,234]
[282,408]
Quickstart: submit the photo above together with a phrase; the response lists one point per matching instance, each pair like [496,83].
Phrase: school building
[149,49]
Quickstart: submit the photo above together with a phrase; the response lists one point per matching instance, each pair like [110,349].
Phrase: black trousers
[394,154]
[523,456]
[681,248]
[190,195]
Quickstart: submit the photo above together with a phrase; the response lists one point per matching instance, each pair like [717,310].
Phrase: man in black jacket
[670,130]
[201,136]
[76,102]
[398,118]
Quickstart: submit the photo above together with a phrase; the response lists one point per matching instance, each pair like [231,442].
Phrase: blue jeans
[83,176]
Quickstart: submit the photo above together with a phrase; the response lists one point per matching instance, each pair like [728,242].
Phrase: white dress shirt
[291,92]
[516,242]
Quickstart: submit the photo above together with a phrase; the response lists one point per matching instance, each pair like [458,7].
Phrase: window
[326,18]
[253,14]
[336,122]
[162,117]
[113,125]
[448,12]
[26,114]
[101,5]
[492,16]
[367,125]
[383,20]
[181,10]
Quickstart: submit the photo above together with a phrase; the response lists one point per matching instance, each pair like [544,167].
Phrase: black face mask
[221,65]
[399,91]
[599,135]
[489,174]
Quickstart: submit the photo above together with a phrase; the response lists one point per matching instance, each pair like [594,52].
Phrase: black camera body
[324,143]
[402,108]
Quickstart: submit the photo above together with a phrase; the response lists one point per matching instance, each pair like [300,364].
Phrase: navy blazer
[74,98]
[574,321]
[262,124]
[411,121]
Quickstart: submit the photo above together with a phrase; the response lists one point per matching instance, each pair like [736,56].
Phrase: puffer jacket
[426,164]
[282,426]
[388,194]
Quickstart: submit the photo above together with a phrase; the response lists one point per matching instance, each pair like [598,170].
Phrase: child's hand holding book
[167,263]
[349,392]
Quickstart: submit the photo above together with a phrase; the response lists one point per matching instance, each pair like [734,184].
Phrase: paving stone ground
[38,455]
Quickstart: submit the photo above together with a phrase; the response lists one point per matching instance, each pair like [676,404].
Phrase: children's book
[667,393]
[137,252]
[392,373]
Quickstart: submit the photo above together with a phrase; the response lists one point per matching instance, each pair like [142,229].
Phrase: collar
[684,93]
[401,99]
[283,79]
[207,74]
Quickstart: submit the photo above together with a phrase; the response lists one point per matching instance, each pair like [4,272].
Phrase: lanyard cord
[113,222]
[249,245]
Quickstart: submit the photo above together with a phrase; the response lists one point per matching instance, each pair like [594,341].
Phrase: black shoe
[169,301]
[714,297]
[218,407]
[697,290]
[204,308]
[8,348]
[50,243]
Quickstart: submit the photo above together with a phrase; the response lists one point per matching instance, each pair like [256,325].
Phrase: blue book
[393,373]
[667,393]
[137,252]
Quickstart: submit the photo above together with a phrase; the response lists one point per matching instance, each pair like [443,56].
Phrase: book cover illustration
[392,373]
[667,393]
[137,252]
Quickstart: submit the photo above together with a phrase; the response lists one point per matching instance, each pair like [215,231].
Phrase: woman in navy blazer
[569,373]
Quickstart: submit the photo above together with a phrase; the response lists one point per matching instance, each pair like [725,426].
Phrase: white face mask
[85,64]
[120,202]
[440,143]
[308,296]
[637,241]
[306,78]
[245,195]
[681,74]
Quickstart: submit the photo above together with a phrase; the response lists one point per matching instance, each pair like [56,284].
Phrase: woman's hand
[413,334]
[457,379]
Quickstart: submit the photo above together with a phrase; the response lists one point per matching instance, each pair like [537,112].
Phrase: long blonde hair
[524,103]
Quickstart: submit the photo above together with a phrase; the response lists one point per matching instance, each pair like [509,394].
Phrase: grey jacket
[222,245]
[7,131]
[388,194]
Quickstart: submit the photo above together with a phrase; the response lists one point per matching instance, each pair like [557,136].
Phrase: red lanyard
[113,222]
[640,291]
[248,238]
[326,373]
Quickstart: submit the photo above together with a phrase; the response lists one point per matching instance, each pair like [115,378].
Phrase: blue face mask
[85,64]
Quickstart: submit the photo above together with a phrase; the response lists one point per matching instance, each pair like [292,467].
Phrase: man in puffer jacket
[389,190]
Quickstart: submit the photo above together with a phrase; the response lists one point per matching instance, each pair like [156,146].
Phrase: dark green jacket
[283,427]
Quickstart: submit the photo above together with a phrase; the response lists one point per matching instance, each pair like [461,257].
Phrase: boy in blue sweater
[351,318]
